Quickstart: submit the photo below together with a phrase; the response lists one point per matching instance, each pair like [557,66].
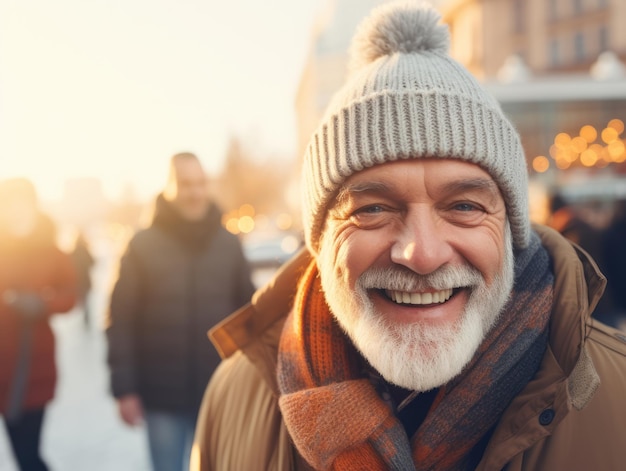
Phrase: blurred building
[556,66]
[550,36]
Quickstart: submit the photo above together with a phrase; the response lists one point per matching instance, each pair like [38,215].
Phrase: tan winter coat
[571,416]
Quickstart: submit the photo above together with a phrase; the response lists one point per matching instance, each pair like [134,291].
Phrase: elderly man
[431,326]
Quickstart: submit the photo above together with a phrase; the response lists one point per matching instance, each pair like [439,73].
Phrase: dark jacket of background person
[571,415]
[573,227]
[32,264]
[615,256]
[177,279]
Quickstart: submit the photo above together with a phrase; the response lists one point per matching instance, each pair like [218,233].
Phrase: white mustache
[399,278]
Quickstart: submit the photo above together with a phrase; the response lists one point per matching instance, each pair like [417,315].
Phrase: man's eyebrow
[471,184]
[361,187]
[456,186]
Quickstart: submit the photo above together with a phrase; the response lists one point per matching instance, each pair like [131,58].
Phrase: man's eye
[465,207]
[371,209]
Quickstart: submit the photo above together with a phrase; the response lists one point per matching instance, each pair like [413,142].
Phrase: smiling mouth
[419,299]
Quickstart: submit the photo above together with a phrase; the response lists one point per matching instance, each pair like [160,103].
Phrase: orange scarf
[336,418]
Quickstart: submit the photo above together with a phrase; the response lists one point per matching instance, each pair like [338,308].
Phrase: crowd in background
[177,278]
[600,229]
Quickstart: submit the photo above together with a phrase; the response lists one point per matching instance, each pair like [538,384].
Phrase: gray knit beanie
[406,98]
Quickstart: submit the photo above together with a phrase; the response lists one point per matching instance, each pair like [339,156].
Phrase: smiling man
[428,326]
[416,263]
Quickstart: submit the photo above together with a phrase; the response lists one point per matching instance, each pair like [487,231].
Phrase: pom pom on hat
[406,98]
[405,27]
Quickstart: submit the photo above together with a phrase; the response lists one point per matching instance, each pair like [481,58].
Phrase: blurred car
[270,252]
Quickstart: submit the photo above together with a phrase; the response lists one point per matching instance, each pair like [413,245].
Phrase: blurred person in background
[570,220]
[614,248]
[566,218]
[177,278]
[36,280]
[83,261]
[430,325]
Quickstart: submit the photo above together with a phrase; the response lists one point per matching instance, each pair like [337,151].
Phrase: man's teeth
[402,297]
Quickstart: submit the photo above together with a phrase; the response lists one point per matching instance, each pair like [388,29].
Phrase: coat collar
[269,305]
[578,286]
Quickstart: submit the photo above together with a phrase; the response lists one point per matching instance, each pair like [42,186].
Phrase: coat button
[546,417]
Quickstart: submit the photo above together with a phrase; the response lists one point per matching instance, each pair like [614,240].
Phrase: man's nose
[421,243]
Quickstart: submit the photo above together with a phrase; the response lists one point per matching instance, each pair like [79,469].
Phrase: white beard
[417,357]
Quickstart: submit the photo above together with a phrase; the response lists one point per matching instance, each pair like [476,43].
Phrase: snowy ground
[82,430]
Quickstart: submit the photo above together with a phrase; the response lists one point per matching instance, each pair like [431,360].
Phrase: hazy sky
[112,88]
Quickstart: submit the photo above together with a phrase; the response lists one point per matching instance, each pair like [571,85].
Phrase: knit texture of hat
[406,98]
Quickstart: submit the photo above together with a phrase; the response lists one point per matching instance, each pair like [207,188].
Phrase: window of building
[603,38]
[555,53]
[519,16]
[579,47]
[552,10]
[577,6]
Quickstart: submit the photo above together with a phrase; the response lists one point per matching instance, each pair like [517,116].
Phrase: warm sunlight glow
[112,89]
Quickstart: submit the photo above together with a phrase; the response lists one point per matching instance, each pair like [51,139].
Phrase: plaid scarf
[338,421]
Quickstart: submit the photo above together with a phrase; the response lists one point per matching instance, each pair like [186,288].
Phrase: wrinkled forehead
[438,176]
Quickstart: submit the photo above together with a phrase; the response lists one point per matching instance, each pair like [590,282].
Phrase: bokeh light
[588,158]
[562,140]
[245,224]
[588,133]
[584,150]
[579,144]
[616,124]
[246,210]
[284,221]
[541,164]
[609,135]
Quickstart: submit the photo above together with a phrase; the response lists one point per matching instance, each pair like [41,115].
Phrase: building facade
[550,36]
